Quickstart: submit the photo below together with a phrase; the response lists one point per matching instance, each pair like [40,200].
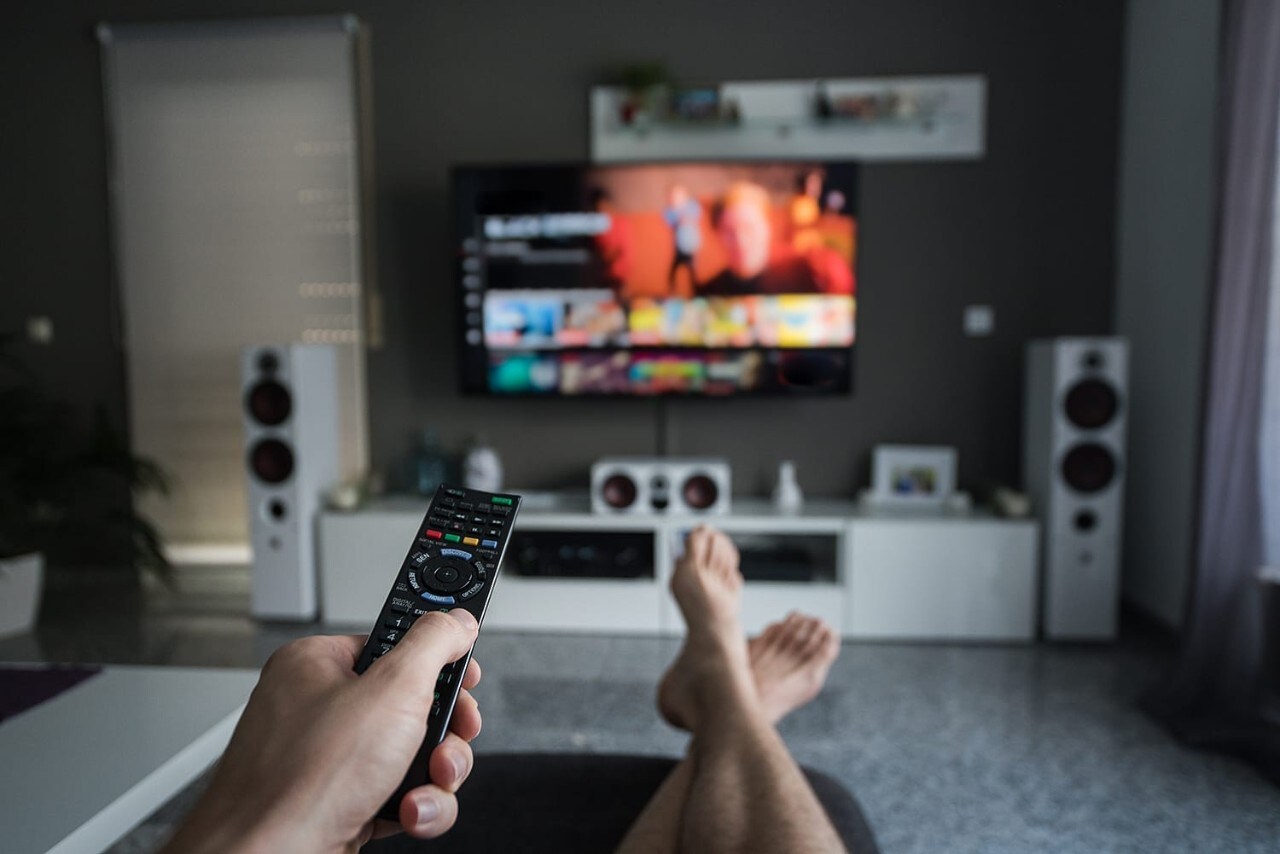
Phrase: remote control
[452,563]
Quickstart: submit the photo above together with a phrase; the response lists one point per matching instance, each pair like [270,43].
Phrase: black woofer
[618,491]
[271,461]
[699,492]
[1088,467]
[1091,404]
[269,403]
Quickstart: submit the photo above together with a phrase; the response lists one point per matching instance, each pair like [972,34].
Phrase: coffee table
[80,770]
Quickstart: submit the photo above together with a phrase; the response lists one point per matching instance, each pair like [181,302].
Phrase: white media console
[871,574]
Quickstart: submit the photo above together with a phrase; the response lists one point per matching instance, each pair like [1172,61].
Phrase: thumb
[433,641]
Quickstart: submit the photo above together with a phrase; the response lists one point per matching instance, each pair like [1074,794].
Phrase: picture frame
[913,475]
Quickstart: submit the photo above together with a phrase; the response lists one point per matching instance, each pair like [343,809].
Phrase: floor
[948,748]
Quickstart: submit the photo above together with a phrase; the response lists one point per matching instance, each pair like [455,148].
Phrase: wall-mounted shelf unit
[901,575]
[883,118]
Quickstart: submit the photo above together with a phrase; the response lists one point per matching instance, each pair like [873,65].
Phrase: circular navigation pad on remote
[447,575]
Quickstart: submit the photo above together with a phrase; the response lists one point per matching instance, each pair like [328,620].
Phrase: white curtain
[1269,430]
[236,206]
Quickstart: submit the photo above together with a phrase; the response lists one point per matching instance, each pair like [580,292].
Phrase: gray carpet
[948,748]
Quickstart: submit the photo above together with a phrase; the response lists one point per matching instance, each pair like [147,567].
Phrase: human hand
[319,748]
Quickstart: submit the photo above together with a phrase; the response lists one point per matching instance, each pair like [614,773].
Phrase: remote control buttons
[452,538]
[489,544]
[402,622]
[419,558]
[471,591]
[434,534]
[440,600]
[446,574]
[470,541]
[401,606]
[498,499]
[459,553]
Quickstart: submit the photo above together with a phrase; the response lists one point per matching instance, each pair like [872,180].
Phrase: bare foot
[708,588]
[790,661]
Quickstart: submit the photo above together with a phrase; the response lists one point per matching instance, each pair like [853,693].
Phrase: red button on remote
[434,534]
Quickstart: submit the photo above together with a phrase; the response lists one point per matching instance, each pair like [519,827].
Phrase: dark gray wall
[1028,229]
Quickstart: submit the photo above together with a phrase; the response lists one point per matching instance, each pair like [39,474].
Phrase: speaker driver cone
[699,492]
[269,403]
[271,461]
[1088,468]
[618,491]
[1091,404]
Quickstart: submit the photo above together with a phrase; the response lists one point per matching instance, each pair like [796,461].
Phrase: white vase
[21,580]
[482,469]
[787,496]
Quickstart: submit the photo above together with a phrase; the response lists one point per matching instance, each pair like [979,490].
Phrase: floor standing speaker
[1074,465]
[292,420]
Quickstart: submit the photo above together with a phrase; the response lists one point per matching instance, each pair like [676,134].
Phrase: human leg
[738,787]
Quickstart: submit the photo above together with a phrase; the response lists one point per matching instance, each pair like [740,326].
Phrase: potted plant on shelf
[643,81]
[52,482]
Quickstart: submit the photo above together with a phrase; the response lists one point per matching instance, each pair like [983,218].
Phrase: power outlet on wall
[979,320]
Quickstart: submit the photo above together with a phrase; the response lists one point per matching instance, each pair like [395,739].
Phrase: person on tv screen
[806,209]
[614,246]
[684,215]
[759,263]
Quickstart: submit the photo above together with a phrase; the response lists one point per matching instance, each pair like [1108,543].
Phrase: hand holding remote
[319,749]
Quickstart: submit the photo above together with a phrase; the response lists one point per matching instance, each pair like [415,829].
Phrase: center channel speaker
[672,485]
[291,400]
[1074,466]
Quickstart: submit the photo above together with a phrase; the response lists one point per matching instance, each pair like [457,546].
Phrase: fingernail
[462,615]
[459,767]
[428,810]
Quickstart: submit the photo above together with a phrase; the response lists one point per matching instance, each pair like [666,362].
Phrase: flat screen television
[681,279]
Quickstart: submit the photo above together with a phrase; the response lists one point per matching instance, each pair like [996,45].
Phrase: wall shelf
[926,118]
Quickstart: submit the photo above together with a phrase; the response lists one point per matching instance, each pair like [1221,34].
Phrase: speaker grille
[269,403]
[1089,467]
[1091,404]
[699,492]
[271,461]
[619,491]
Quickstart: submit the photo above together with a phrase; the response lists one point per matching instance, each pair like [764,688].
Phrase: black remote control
[453,563]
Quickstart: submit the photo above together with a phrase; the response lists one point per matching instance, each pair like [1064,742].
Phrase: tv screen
[691,279]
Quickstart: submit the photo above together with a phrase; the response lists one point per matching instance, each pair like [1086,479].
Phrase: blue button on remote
[443,600]
[456,553]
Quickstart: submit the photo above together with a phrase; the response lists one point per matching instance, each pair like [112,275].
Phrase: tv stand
[871,574]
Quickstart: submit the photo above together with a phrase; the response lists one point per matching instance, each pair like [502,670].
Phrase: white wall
[1165,224]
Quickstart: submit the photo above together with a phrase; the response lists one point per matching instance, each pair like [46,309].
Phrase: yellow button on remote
[470,541]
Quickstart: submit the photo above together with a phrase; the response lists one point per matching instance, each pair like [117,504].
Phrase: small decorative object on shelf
[643,81]
[696,103]
[482,467]
[787,496]
[913,476]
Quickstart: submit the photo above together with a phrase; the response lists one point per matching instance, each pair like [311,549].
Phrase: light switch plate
[979,320]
